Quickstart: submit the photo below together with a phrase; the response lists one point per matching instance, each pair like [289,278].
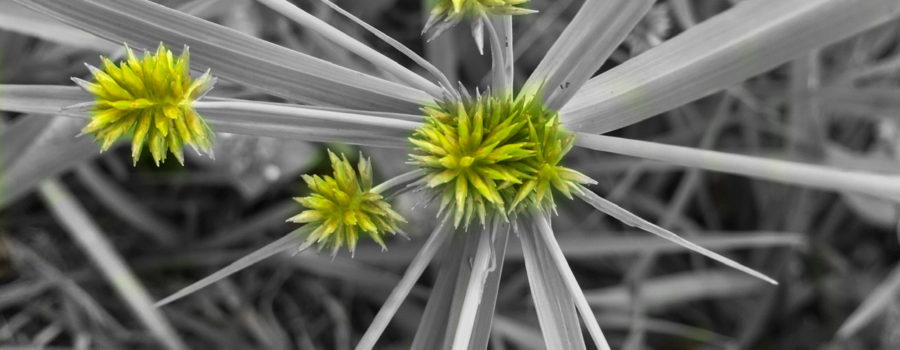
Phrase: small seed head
[447,13]
[150,99]
[342,208]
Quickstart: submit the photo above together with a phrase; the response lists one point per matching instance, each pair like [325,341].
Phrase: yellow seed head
[447,13]
[494,156]
[344,207]
[458,8]
[150,99]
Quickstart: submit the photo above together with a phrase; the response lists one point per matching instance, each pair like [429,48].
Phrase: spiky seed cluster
[149,98]
[494,156]
[344,207]
[446,13]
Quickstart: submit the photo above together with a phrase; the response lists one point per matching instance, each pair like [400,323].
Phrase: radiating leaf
[483,326]
[596,245]
[478,303]
[292,240]
[47,154]
[40,99]
[416,267]
[746,40]
[346,41]
[558,260]
[16,18]
[631,219]
[794,173]
[233,55]
[589,39]
[433,326]
[676,289]
[555,307]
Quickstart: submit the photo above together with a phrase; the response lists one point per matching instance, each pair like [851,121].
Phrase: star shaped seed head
[344,207]
[494,156]
[447,13]
[149,98]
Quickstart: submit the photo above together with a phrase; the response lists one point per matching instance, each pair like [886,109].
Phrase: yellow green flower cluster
[494,156]
[344,207]
[150,99]
[458,8]
[447,13]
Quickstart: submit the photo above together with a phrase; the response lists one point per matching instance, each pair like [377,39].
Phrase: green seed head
[150,98]
[452,9]
[494,156]
[342,208]
[447,13]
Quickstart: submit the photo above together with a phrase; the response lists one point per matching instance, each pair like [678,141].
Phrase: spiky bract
[459,8]
[344,207]
[150,98]
[446,13]
[494,156]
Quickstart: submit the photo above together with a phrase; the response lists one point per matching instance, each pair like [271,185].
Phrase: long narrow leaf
[48,154]
[233,55]
[433,326]
[554,305]
[241,117]
[630,219]
[484,264]
[559,261]
[597,29]
[16,18]
[875,304]
[422,62]
[590,245]
[126,206]
[748,39]
[679,288]
[398,295]
[807,175]
[40,99]
[338,37]
[92,240]
[483,326]
[292,240]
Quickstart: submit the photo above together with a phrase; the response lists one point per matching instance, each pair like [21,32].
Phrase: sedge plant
[494,161]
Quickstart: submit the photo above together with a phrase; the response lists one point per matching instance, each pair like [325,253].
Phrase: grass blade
[807,175]
[422,62]
[677,289]
[483,325]
[338,37]
[554,305]
[630,219]
[876,303]
[483,264]
[597,29]
[542,226]
[40,99]
[398,295]
[589,245]
[748,39]
[233,55]
[16,18]
[127,207]
[83,229]
[291,240]
[51,151]
[433,326]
